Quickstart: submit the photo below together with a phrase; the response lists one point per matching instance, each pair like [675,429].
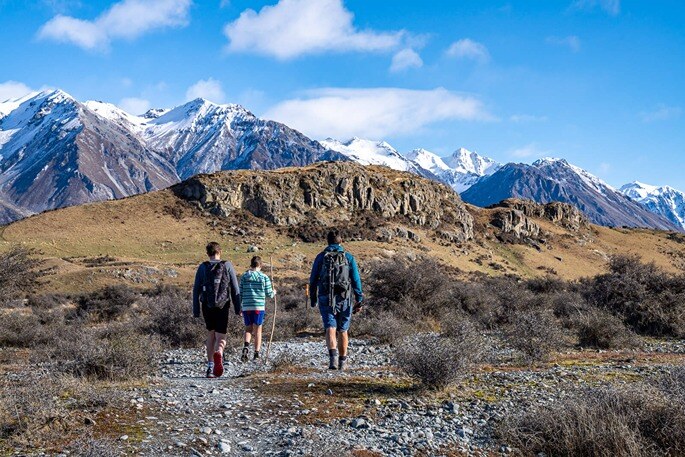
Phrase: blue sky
[598,82]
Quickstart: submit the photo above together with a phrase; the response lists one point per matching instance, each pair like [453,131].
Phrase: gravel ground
[305,409]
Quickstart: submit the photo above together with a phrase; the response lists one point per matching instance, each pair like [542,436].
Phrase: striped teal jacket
[255,286]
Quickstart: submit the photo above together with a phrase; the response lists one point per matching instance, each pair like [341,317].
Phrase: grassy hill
[159,238]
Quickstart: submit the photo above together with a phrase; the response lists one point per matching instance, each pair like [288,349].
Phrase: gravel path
[306,409]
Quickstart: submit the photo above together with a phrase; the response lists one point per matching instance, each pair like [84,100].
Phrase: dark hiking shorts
[341,320]
[216,319]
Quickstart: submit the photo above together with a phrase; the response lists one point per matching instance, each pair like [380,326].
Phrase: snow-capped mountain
[368,152]
[662,200]
[56,151]
[548,180]
[460,170]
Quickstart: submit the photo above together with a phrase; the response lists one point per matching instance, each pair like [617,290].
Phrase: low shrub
[168,315]
[117,352]
[107,304]
[536,334]
[18,271]
[649,300]
[38,410]
[385,326]
[601,422]
[433,361]
[600,329]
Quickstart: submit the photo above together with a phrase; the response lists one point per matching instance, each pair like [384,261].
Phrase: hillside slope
[159,237]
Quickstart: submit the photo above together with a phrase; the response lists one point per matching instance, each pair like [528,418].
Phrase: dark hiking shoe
[256,356]
[341,363]
[218,364]
[243,357]
[210,372]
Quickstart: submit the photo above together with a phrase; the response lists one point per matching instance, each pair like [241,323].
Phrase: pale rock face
[333,193]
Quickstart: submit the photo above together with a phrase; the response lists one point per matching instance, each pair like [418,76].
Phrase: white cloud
[127,19]
[529,150]
[571,41]
[134,105]
[13,89]
[292,28]
[376,113]
[612,7]
[661,113]
[468,49]
[406,58]
[209,89]
[527,118]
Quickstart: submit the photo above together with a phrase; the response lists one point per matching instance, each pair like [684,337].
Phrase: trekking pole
[306,306]
[273,324]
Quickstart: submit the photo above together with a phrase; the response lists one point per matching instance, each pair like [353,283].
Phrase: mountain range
[56,151]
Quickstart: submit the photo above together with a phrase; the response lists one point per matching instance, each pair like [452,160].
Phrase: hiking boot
[218,364]
[341,362]
[244,358]
[210,372]
[256,356]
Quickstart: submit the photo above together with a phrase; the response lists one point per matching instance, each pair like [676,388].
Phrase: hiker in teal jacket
[336,312]
[255,287]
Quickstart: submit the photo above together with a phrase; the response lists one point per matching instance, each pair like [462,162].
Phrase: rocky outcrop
[561,214]
[511,221]
[331,194]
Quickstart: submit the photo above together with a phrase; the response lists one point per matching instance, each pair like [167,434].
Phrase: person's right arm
[197,288]
[314,280]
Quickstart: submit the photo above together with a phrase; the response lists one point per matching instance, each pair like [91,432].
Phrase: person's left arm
[355,278]
[235,287]
[268,287]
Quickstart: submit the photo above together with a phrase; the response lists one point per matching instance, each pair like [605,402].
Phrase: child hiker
[255,286]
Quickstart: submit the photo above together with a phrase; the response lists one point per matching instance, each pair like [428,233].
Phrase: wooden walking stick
[273,324]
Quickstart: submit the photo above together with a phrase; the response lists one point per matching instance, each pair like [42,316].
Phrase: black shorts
[216,319]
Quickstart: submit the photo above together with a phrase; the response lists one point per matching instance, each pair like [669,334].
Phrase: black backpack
[334,277]
[215,286]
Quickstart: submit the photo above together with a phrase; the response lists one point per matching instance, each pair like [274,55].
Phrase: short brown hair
[334,237]
[256,262]
[213,248]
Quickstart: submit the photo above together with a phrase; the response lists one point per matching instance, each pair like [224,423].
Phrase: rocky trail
[295,406]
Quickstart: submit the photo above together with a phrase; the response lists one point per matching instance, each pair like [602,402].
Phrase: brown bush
[168,315]
[117,352]
[535,333]
[601,422]
[18,271]
[433,361]
[38,410]
[600,329]
[649,300]
[107,304]
[384,326]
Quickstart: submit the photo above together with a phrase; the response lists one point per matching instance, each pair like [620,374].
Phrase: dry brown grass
[138,231]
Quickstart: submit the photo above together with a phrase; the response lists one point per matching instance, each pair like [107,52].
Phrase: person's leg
[257,338]
[210,345]
[329,325]
[210,354]
[246,343]
[220,342]
[343,324]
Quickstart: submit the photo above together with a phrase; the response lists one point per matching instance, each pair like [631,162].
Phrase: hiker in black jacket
[215,289]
